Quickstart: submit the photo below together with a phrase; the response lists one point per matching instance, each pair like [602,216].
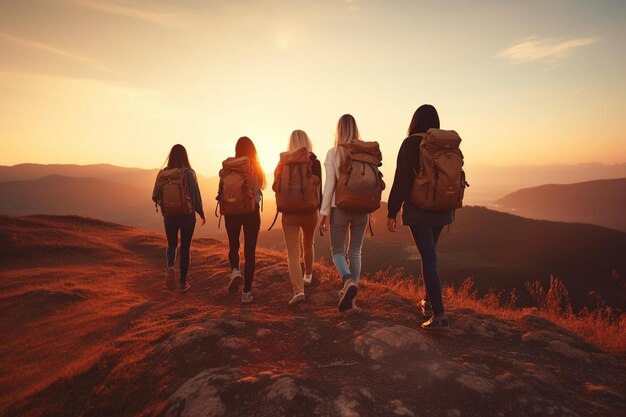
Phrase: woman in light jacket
[425,225]
[299,228]
[342,221]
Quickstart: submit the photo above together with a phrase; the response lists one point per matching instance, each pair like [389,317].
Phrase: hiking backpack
[235,195]
[360,183]
[297,189]
[440,183]
[174,192]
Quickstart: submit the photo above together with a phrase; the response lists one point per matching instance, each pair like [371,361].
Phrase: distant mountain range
[500,250]
[101,191]
[601,202]
[488,183]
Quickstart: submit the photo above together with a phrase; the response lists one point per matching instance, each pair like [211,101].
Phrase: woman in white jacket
[342,221]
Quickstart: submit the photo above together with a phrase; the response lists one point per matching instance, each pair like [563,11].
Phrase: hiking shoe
[184,286]
[297,299]
[426,307]
[354,306]
[235,281]
[440,322]
[307,279]
[246,297]
[170,278]
[349,293]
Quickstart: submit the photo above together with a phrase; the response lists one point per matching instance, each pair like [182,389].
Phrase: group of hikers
[428,185]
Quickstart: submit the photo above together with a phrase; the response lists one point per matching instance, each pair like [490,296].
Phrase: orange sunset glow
[312,208]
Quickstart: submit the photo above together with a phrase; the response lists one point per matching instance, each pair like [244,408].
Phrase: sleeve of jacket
[402,181]
[317,170]
[156,192]
[195,193]
[329,186]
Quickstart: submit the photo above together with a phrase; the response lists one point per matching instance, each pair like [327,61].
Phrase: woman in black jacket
[185,223]
[425,225]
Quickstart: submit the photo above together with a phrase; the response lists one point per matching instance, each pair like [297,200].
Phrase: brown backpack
[360,183]
[174,190]
[440,183]
[297,189]
[235,195]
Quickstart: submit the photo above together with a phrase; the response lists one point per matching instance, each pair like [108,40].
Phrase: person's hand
[391,225]
[203,221]
[323,223]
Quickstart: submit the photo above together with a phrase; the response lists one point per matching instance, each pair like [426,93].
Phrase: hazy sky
[121,81]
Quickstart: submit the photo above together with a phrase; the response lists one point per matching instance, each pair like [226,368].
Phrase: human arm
[329,186]
[402,181]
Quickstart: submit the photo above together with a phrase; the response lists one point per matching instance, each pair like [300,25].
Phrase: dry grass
[602,326]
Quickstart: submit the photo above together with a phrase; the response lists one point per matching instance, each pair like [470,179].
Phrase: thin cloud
[550,50]
[55,51]
[153,16]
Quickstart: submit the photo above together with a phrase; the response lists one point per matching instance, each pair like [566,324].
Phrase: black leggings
[186,233]
[251,223]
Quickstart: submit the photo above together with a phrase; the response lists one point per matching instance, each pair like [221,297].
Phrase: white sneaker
[297,299]
[235,281]
[350,290]
[246,297]
[307,279]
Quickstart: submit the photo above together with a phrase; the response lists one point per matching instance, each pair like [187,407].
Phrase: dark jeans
[251,223]
[186,233]
[425,238]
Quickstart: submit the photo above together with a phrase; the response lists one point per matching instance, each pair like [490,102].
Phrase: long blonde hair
[347,132]
[298,139]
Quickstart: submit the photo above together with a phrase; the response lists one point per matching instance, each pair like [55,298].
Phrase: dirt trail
[90,330]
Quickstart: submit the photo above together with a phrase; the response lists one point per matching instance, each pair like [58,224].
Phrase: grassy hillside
[89,329]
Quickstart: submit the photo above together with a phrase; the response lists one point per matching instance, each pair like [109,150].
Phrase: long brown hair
[424,118]
[245,147]
[178,157]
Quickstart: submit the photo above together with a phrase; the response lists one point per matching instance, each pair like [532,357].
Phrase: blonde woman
[299,228]
[342,221]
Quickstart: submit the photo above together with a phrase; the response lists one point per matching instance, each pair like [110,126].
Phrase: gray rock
[232,343]
[284,388]
[476,383]
[200,396]
[193,334]
[400,409]
[346,407]
[377,343]
[263,332]
[568,350]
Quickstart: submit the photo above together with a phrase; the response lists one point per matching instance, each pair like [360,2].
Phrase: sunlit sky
[119,82]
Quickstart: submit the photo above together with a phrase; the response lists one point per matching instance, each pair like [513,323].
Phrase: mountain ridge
[112,341]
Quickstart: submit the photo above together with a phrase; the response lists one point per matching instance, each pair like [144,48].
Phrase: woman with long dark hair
[425,225]
[179,211]
[249,222]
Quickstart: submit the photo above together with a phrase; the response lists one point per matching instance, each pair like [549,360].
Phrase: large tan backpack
[297,189]
[235,195]
[175,192]
[440,182]
[360,183]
